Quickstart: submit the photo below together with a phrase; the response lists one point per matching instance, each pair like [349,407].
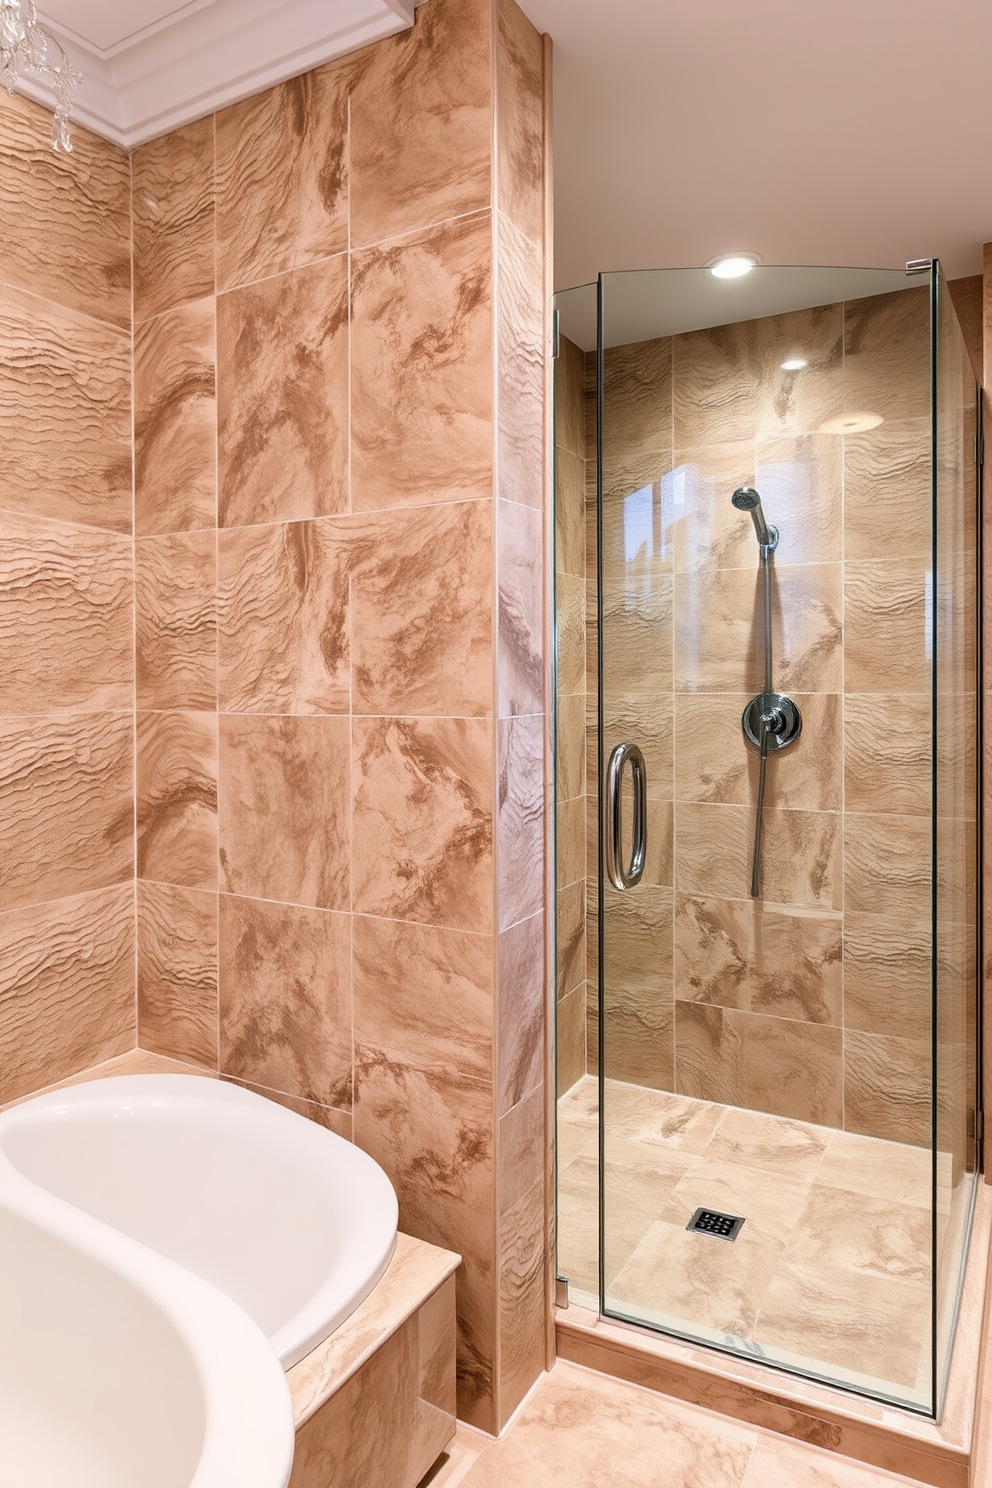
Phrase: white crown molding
[209,54]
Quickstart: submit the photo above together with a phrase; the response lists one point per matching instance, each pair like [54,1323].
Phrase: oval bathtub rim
[376,1238]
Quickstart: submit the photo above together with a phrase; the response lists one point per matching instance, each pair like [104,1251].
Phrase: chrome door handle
[619,876]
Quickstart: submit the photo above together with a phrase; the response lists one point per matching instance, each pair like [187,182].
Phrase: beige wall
[814,1002]
[337,710]
[66,604]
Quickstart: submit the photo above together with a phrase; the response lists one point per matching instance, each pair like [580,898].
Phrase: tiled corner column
[340,504]
[66,605]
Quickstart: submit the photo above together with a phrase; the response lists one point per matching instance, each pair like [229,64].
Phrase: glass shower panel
[955,627]
[765,555]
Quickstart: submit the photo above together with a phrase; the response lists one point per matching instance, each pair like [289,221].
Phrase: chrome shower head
[746,498]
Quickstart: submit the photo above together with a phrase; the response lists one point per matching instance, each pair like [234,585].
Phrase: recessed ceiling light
[794,364]
[732,267]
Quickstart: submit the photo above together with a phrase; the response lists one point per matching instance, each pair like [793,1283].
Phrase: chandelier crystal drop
[27,47]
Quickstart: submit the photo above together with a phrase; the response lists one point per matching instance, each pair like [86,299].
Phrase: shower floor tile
[832,1266]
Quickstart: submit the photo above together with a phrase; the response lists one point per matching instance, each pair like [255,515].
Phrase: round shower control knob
[779,715]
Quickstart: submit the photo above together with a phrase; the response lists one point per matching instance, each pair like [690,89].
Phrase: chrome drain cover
[712,1222]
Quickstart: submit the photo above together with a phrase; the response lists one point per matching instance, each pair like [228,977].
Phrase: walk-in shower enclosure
[787,1039]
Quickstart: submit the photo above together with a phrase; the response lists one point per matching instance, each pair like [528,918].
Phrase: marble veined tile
[421,368]
[867,1323]
[282,396]
[419,101]
[285,998]
[586,1430]
[870,1235]
[283,621]
[282,177]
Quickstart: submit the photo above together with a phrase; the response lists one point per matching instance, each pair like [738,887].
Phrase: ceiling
[841,132]
[845,132]
[151,65]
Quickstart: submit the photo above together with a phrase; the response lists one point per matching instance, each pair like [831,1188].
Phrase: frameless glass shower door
[780,887]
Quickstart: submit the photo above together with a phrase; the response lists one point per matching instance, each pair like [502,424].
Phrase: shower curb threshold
[939,1453]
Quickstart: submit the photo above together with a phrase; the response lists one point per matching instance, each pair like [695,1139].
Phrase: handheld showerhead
[746,498]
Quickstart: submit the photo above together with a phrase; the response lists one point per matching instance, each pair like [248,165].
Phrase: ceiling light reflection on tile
[851,423]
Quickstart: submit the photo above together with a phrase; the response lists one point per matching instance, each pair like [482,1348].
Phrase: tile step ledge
[938,1453]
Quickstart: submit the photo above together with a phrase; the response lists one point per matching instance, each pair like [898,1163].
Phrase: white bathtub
[293,1223]
[120,1370]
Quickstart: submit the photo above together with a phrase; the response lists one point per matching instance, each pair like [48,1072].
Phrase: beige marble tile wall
[571,805]
[339,354]
[66,604]
[813,1003]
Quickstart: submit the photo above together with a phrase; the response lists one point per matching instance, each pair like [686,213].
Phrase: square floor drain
[711,1222]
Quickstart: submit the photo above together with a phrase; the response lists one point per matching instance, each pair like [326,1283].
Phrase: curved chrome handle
[620,877]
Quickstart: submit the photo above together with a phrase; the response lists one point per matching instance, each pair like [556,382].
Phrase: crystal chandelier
[27,47]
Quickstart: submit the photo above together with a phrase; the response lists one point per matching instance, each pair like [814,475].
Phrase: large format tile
[520,818]
[285,998]
[421,594]
[285,832]
[887,974]
[719,629]
[520,564]
[423,820]
[283,618]
[520,361]
[175,421]
[885,626]
[176,621]
[887,355]
[888,760]
[176,789]
[713,947]
[66,618]
[66,224]
[424,995]
[282,396]
[433,1134]
[419,101]
[282,177]
[638,1012]
[519,120]
[870,1236]
[520,981]
[872,1325]
[887,491]
[715,762]
[776,1065]
[887,864]
[66,806]
[586,1430]
[177,973]
[637,403]
[57,362]
[421,368]
[887,1086]
[66,988]
[172,181]
[796,967]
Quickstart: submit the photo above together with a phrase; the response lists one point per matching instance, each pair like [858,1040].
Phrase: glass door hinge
[561,1291]
[555,335]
